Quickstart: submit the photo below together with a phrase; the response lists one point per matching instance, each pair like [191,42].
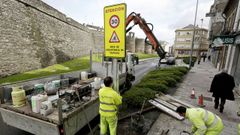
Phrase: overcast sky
[165,15]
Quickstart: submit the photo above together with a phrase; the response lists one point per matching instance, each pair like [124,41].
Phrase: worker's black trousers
[223,101]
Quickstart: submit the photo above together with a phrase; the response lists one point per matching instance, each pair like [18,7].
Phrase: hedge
[187,59]
[137,95]
[155,81]
[154,85]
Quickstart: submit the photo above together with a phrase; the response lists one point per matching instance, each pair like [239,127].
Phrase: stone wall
[130,42]
[35,35]
[140,45]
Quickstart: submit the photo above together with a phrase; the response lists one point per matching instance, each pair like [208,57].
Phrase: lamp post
[193,37]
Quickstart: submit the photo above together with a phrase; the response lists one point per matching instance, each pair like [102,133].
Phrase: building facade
[229,53]
[183,41]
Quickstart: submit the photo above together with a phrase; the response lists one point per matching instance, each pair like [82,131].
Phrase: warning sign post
[114,37]
[115,30]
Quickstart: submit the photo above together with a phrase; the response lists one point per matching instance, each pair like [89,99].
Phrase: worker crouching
[204,122]
[109,101]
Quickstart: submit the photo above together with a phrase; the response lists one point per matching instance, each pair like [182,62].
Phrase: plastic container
[97,82]
[50,88]
[18,96]
[46,108]
[36,102]
[64,83]
[56,84]
[84,75]
[39,88]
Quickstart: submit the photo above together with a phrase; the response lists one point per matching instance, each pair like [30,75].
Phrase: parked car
[170,60]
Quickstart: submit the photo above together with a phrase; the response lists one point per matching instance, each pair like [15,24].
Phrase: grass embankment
[159,80]
[69,66]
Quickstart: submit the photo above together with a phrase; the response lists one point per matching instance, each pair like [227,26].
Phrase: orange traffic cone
[193,94]
[200,101]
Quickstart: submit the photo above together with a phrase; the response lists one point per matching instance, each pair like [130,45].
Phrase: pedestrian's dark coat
[222,86]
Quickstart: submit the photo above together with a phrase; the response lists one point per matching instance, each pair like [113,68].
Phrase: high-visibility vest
[109,101]
[203,120]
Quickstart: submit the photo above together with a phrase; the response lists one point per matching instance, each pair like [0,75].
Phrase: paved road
[199,78]
[140,70]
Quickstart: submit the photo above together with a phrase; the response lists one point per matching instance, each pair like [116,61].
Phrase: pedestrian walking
[209,57]
[199,59]
[204,56]
[109,101]
[222,88]
[204,122]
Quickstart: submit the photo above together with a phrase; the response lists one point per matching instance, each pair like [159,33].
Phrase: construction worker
[204,122]
[109,101]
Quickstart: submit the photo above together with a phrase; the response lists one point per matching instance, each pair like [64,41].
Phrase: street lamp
[193,37]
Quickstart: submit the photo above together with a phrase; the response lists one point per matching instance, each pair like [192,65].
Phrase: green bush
[153,82]
[161,75]
[154,85]
[182,69]
[137,95]
[174,70]
[171,82]
[187,59]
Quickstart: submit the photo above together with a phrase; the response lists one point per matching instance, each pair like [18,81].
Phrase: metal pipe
[91,61]
[115,74]
[193,38]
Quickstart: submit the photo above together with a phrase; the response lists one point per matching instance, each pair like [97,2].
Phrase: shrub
[161,75]
[171,82]
[137,95]
[182,69]
[174,70]
[187,59]
[153,82]
[154,85]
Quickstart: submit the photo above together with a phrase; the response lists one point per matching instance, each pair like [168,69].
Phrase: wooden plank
[166,110]
[168,105]
[29,124]
[179,101]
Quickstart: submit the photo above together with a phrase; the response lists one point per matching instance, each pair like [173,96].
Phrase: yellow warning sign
[115,30]
[114,38]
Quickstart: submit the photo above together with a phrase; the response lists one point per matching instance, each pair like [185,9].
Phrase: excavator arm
[138,20]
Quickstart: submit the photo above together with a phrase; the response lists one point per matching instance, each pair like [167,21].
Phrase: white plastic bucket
[36,102]
[84,75]
[97,83]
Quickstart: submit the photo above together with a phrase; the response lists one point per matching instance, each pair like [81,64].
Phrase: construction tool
[185,132]
[164,132]
[138,121]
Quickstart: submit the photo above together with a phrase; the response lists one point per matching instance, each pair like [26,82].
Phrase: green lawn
[69,66]
[145,56]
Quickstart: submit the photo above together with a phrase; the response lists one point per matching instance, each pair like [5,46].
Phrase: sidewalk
[199,78]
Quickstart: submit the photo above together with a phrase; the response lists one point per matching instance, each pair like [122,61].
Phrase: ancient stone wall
[130,42]
[35,35]
[140,45]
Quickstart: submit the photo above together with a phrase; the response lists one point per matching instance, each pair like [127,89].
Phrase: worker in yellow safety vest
[204,122]
[109,101]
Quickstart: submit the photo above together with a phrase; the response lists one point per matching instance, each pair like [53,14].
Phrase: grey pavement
[199,78]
